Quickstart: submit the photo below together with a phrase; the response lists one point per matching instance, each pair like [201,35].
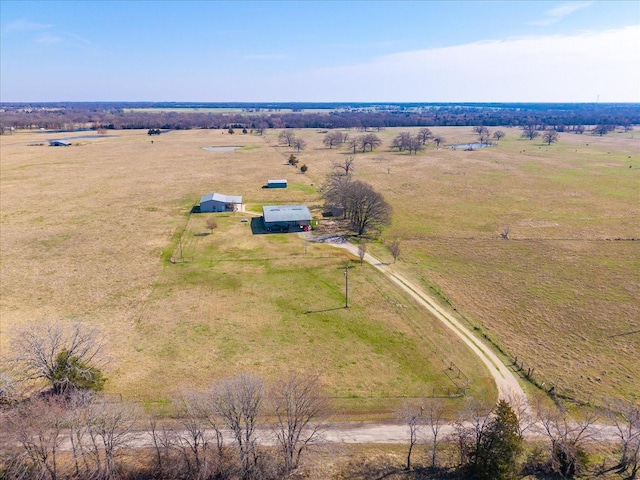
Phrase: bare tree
[602,129]
[37,427]
[483,133]
[300,408]
[438,140]
[498,134]
[333,139]
[368,141]
[66,357]
[299,144]
[412,417]
[394,248]
[425,135]
[529,131]
[353,143]
[401,141]
[347,167]
[286,137]
[212,224]
[111,427]
[434,419]
[239,402]
[550,136]
[366,208]
[362,250]
[336,190]
[566,438]
[625,415]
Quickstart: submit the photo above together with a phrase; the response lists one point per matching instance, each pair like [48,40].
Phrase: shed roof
[278,180]
[285,213]
[219,197]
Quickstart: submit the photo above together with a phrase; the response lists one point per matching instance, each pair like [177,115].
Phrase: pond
[80,137]
[220,149]
[470,146]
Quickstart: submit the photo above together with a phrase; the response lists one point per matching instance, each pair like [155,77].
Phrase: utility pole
[346,286]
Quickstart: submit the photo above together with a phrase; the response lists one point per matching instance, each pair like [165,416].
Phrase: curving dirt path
[507,383]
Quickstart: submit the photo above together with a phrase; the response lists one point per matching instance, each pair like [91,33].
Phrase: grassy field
[87,231]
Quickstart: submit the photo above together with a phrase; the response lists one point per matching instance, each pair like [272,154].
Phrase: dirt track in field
[506,382]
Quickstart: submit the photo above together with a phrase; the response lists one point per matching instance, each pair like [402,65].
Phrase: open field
[86,231]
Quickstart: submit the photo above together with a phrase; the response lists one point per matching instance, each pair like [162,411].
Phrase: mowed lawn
[86,232]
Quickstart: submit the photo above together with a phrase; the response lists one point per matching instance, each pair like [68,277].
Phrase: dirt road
[508,386]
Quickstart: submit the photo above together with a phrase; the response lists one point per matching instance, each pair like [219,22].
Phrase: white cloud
[558,68]
[556,14]
[266,56]
[24,26]
[48,39]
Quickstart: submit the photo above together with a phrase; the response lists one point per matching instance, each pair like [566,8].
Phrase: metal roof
[219,197]
[285,213]
[279,180]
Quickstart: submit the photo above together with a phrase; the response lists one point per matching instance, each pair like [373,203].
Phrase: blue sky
[369,51]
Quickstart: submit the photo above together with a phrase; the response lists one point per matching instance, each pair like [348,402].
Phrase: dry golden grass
[85,230]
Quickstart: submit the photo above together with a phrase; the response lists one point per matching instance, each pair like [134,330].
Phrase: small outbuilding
[286,218]
[217,202]
[279,183]
[59,143]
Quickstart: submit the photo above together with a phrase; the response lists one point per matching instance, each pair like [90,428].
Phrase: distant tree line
[70,116]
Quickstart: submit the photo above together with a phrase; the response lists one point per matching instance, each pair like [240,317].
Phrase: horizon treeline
[123,115]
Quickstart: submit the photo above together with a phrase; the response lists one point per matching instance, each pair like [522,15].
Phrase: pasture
[87,231]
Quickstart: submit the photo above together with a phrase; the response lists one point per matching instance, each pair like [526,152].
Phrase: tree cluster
[365,208]
[215,434]
[257,117]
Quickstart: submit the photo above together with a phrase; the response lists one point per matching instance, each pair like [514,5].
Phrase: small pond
[469,146]
[220,149]
[80,137]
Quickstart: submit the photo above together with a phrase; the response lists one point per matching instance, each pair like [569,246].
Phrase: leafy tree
[70,372]
[244,131]
[293,160]
[304,168]
[67,358]
[495,455]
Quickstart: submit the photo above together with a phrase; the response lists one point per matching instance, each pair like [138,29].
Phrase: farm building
[285,218]
[58,143]
[279,183]
[217,202]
